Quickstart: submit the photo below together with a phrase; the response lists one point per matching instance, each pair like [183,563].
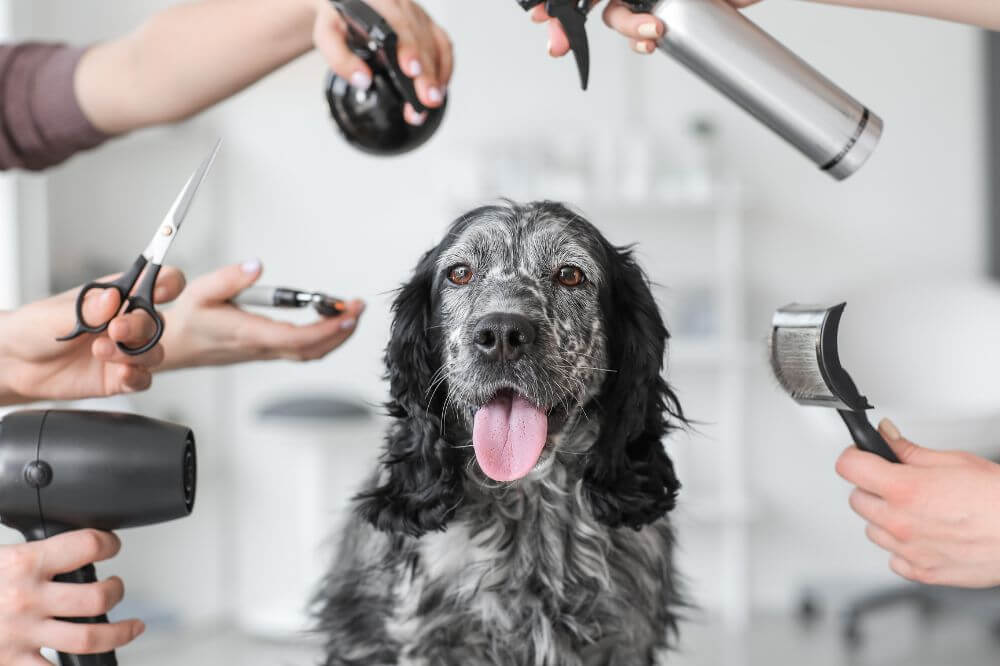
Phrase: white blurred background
[731,224]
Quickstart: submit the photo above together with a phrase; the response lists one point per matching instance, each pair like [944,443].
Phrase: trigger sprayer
[731,53]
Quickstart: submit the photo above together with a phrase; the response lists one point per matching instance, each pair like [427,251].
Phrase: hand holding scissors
[152,260]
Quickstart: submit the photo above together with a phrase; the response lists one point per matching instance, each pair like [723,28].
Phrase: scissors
[151,259]
[572,15]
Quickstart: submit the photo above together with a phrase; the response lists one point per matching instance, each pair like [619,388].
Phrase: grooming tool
[151,260]
[572,15]
[724,48]
[372,120]
[805,361]
[64,470]
[284,297]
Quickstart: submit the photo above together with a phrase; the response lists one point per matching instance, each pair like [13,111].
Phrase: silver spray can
[784,92]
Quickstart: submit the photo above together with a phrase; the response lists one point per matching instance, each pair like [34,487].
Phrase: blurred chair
[928,356]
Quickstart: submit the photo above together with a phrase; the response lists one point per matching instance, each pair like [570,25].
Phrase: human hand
[35,366]
[30,601]
[643,30]
[935,511]
[204,328]
[425,52]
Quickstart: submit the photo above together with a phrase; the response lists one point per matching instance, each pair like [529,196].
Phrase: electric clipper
[805,360]
[724,48]
[372,119]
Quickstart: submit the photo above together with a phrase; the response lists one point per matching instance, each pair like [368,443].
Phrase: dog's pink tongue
[508,435]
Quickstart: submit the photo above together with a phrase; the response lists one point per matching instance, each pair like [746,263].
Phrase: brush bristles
[795,361]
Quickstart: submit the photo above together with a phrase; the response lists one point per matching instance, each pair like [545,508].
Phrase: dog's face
[526,329]
[523,336]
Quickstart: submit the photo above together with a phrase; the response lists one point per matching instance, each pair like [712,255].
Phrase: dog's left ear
[419,485]
[629,479]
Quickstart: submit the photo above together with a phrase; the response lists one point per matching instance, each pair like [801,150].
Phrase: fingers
[71,550]
[86,638]
[421,54]
[99,305]
[642,29]
[558,42]
[225,283]
[129,379]
[33,659]
[169,284]
[873,473]
[132,330]
[330,37]
[301,343]
[871,507]
[908,452]
[81,600]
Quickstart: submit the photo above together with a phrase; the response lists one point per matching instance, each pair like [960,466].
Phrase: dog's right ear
[419,486]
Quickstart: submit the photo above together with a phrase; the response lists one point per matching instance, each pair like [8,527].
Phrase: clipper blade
[805,360]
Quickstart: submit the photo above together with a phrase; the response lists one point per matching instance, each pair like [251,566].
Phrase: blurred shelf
[708,353]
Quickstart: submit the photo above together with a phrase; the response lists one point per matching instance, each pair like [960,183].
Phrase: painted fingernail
[642,47]
[417,118]
[648,30]
[250,266]
[415,68]
[361,80]
[889,429]
[434,94]
[347,323]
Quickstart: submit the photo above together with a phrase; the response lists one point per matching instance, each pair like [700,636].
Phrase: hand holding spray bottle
[731,53]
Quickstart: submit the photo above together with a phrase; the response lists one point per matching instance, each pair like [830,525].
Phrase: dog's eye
[570,276]
[461,274]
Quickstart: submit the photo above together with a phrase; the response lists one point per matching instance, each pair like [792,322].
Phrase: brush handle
[865,435]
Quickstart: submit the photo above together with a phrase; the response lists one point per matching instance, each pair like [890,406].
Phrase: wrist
[9,395]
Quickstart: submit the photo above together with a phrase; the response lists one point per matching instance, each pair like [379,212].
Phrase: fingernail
[889,429]
[107,296]
[648,30]
[361,80]
[548,47]
[361,306]
[138,632]
[159,294]
[250,266]
[642,47]
[347,323]
[434,94]
[415,67]
[417,118]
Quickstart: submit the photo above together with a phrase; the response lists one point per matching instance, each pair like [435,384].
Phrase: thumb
[907,452]
[224,283]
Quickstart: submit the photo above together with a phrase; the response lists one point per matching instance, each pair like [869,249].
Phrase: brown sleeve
[41,123]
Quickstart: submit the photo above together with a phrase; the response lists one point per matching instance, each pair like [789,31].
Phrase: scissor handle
[123,285]
[142,299]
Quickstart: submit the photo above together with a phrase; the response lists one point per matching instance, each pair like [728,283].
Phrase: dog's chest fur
[526,576]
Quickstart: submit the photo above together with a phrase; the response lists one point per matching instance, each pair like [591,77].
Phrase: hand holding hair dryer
[63,470]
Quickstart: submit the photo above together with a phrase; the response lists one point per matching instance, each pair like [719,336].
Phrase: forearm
[189,57]
[985,13]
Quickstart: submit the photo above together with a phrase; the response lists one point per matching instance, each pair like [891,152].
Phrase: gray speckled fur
[524,574]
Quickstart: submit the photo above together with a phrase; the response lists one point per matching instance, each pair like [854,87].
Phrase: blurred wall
[287,189]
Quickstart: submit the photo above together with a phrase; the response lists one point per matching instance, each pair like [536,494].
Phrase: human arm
[30,601]
[935,512]
[35,366]
[204,328]
[193,55]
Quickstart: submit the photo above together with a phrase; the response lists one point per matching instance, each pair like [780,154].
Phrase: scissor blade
[573,22]
[183,202]
[167,231]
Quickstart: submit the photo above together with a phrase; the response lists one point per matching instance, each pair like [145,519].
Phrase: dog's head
[526,331]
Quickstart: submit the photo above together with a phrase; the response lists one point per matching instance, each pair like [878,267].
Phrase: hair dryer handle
[85,574]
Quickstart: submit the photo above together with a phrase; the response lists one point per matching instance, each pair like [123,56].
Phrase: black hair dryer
[62,470]
[372,120]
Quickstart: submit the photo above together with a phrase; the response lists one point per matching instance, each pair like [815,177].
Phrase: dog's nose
[503,336]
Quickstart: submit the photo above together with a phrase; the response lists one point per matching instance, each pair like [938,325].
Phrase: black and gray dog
[518,516]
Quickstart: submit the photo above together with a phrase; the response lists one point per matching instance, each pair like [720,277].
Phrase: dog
[518,515]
